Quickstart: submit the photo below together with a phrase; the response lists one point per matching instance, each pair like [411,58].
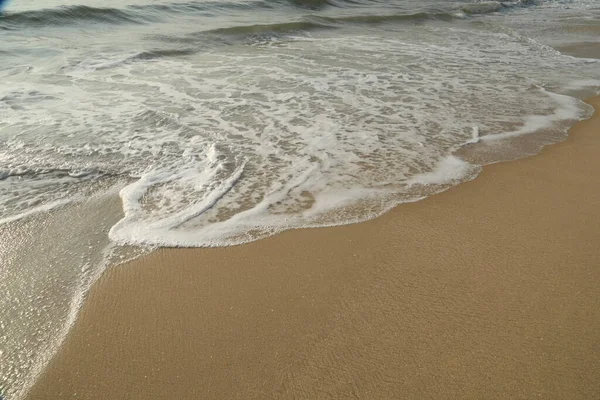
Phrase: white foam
[138,224]
[283,134]
[567,109]
[474,136]
[450,169]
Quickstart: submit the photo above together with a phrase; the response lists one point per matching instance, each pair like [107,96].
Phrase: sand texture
[489,290]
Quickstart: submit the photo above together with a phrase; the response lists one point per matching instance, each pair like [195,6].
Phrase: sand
[488,290]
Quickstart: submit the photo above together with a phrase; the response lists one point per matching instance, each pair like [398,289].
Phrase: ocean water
[220,122]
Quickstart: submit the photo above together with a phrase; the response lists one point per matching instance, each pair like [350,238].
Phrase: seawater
[222,122]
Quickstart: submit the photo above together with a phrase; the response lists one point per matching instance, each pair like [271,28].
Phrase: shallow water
[226,121]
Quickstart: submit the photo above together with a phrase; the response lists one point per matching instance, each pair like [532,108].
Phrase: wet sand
[488,290]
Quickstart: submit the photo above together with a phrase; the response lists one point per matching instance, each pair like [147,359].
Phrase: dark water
[145,12]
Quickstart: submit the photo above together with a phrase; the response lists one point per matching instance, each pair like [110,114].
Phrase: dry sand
[489,290]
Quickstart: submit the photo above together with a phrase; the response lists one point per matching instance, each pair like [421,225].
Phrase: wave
[233,34]
[133,14]
[140,14]
[161,53]
[488,7]
[315,22]
[143,14]
[281,28]
[321,23]
[72,15]
[320,4]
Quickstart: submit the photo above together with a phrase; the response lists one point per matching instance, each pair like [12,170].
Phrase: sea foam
[306,130]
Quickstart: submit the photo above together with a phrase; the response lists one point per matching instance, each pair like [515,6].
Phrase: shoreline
[483,291]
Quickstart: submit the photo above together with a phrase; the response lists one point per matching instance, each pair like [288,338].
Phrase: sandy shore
[489,290]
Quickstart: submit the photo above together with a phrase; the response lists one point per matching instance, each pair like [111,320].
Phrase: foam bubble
[474,136]
[448,170]
[567,109]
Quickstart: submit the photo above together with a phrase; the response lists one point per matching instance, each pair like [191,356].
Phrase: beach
[487,290]
[299,199]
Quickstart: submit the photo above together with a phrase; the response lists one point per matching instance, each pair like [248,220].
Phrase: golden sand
[488,290]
